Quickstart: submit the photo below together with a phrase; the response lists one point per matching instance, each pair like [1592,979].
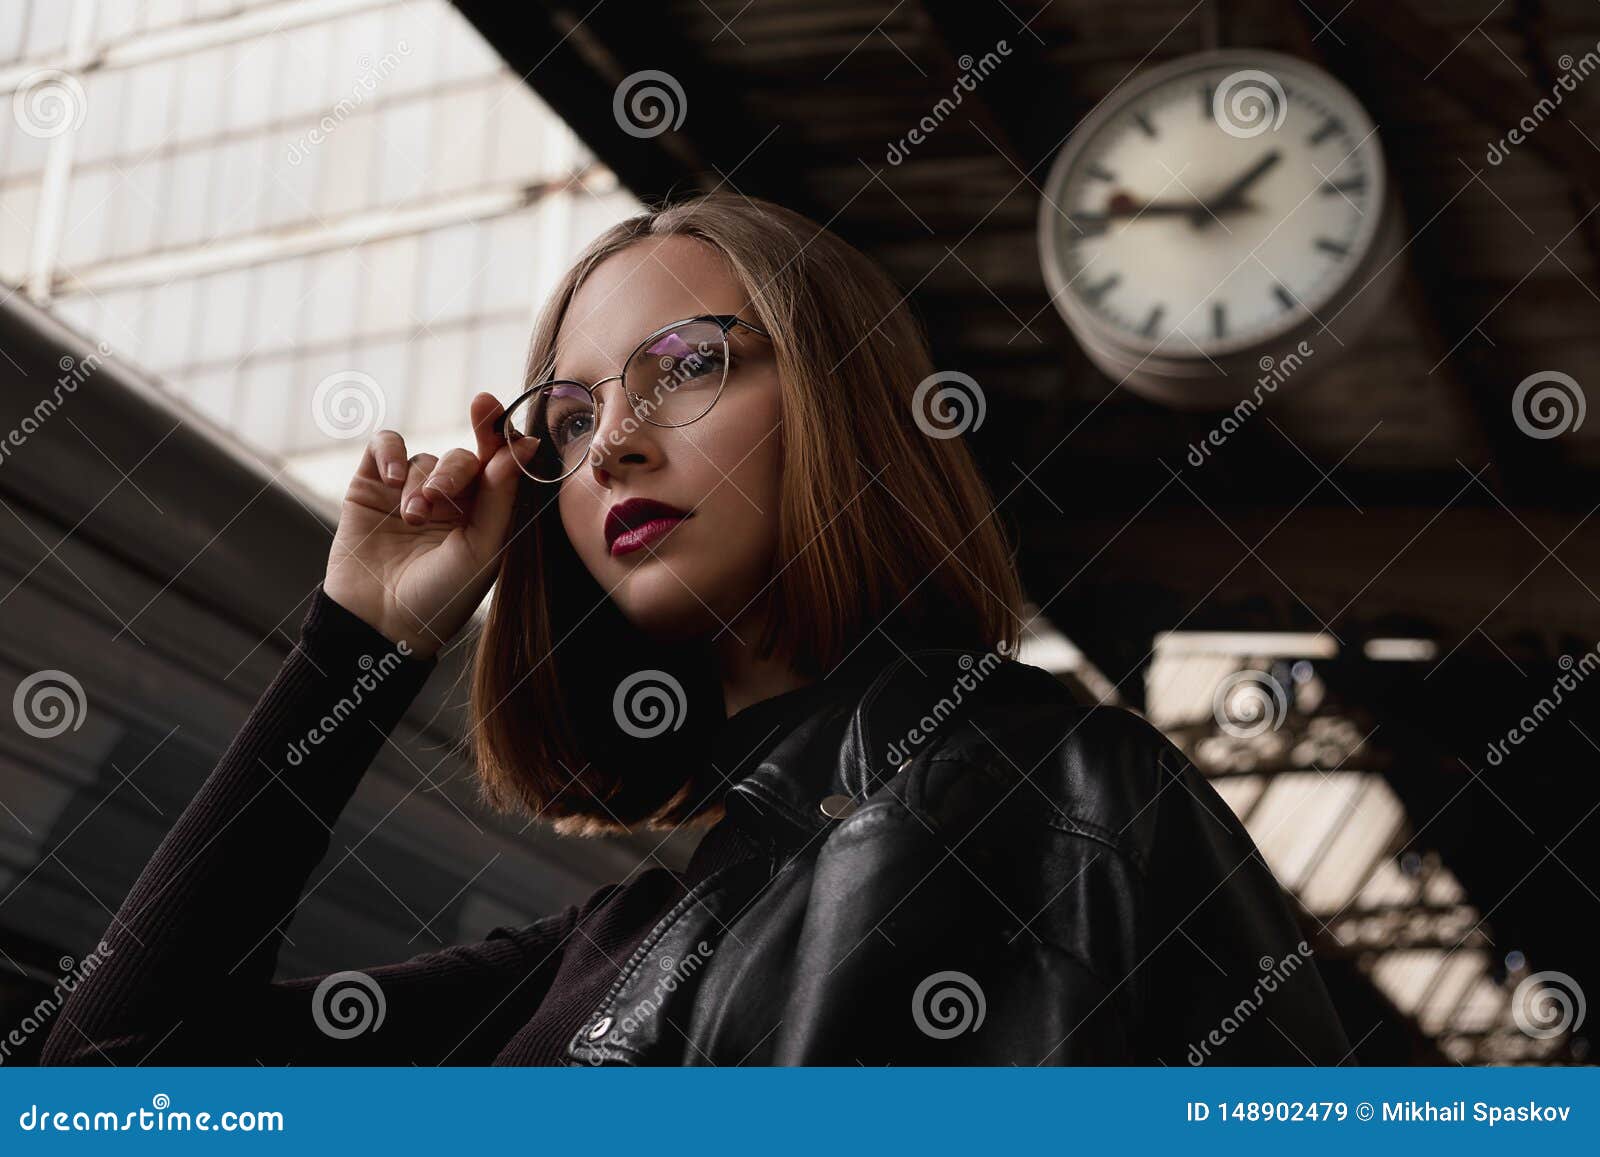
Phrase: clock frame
[1178,372]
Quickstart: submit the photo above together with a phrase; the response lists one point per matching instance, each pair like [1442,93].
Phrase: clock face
[1213,207]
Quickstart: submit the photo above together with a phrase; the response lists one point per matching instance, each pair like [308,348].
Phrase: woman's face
[723,469]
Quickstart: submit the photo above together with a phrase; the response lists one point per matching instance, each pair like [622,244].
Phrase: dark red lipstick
[635,523]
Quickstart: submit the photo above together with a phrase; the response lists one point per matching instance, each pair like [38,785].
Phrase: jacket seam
[646,946]
[1104,981]
[863,710]
[772,799]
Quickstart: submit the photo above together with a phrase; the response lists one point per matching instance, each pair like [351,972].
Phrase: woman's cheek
[580,519]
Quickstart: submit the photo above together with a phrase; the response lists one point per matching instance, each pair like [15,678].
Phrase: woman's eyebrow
[556,359]
[554,370]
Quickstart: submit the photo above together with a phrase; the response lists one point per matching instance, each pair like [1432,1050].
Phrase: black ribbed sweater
[193,948]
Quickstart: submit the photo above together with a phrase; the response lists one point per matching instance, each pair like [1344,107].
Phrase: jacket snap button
[837,807]
[599,1029]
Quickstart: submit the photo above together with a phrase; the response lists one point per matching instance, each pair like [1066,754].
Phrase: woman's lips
[642,536]
[634,523]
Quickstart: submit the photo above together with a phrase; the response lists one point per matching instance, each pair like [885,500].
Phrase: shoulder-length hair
[880,525]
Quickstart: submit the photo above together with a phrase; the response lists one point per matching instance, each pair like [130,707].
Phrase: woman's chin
[683,598]
[665,615]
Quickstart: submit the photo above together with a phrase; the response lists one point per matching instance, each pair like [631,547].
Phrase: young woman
[739,582]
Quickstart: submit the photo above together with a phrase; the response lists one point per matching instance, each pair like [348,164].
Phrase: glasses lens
[561,417]
[677,375]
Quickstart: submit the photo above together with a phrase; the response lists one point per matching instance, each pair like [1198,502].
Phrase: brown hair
[916,552]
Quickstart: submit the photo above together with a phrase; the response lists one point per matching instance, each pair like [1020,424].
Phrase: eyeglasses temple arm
[729,320]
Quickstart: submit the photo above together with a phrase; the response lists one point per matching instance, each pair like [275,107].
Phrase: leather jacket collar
[829,744]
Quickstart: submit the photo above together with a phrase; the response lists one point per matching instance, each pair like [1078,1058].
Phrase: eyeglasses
[672,377]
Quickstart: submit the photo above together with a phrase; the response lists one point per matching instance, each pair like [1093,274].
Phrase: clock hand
[1229,198]
[1148,209]
[1123,206]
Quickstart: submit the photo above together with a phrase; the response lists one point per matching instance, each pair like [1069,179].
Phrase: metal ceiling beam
[543,45]
[1529,19]
[1519,468]
[577,57]
[1001,105]
[1467,75]
[1352,570]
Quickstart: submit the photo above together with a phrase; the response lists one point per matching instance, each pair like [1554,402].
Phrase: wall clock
[1213,213]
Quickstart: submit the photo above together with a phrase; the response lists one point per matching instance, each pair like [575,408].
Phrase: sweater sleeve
[184,973]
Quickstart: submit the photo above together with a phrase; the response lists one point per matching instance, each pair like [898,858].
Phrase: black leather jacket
[1007,877]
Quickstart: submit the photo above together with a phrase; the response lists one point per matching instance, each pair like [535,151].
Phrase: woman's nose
[621,437]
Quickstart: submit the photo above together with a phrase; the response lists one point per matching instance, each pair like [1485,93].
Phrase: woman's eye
[565,432]
[708,366]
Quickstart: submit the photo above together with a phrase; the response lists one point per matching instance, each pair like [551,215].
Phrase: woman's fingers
[450,478]
[437,488]
[500,458]
[414,504]
[484,409]
[495,454]
[387,449]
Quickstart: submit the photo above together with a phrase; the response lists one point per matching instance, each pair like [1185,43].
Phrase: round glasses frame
[724,321]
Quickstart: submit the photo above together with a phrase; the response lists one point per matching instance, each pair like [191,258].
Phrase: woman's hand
[419,537]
